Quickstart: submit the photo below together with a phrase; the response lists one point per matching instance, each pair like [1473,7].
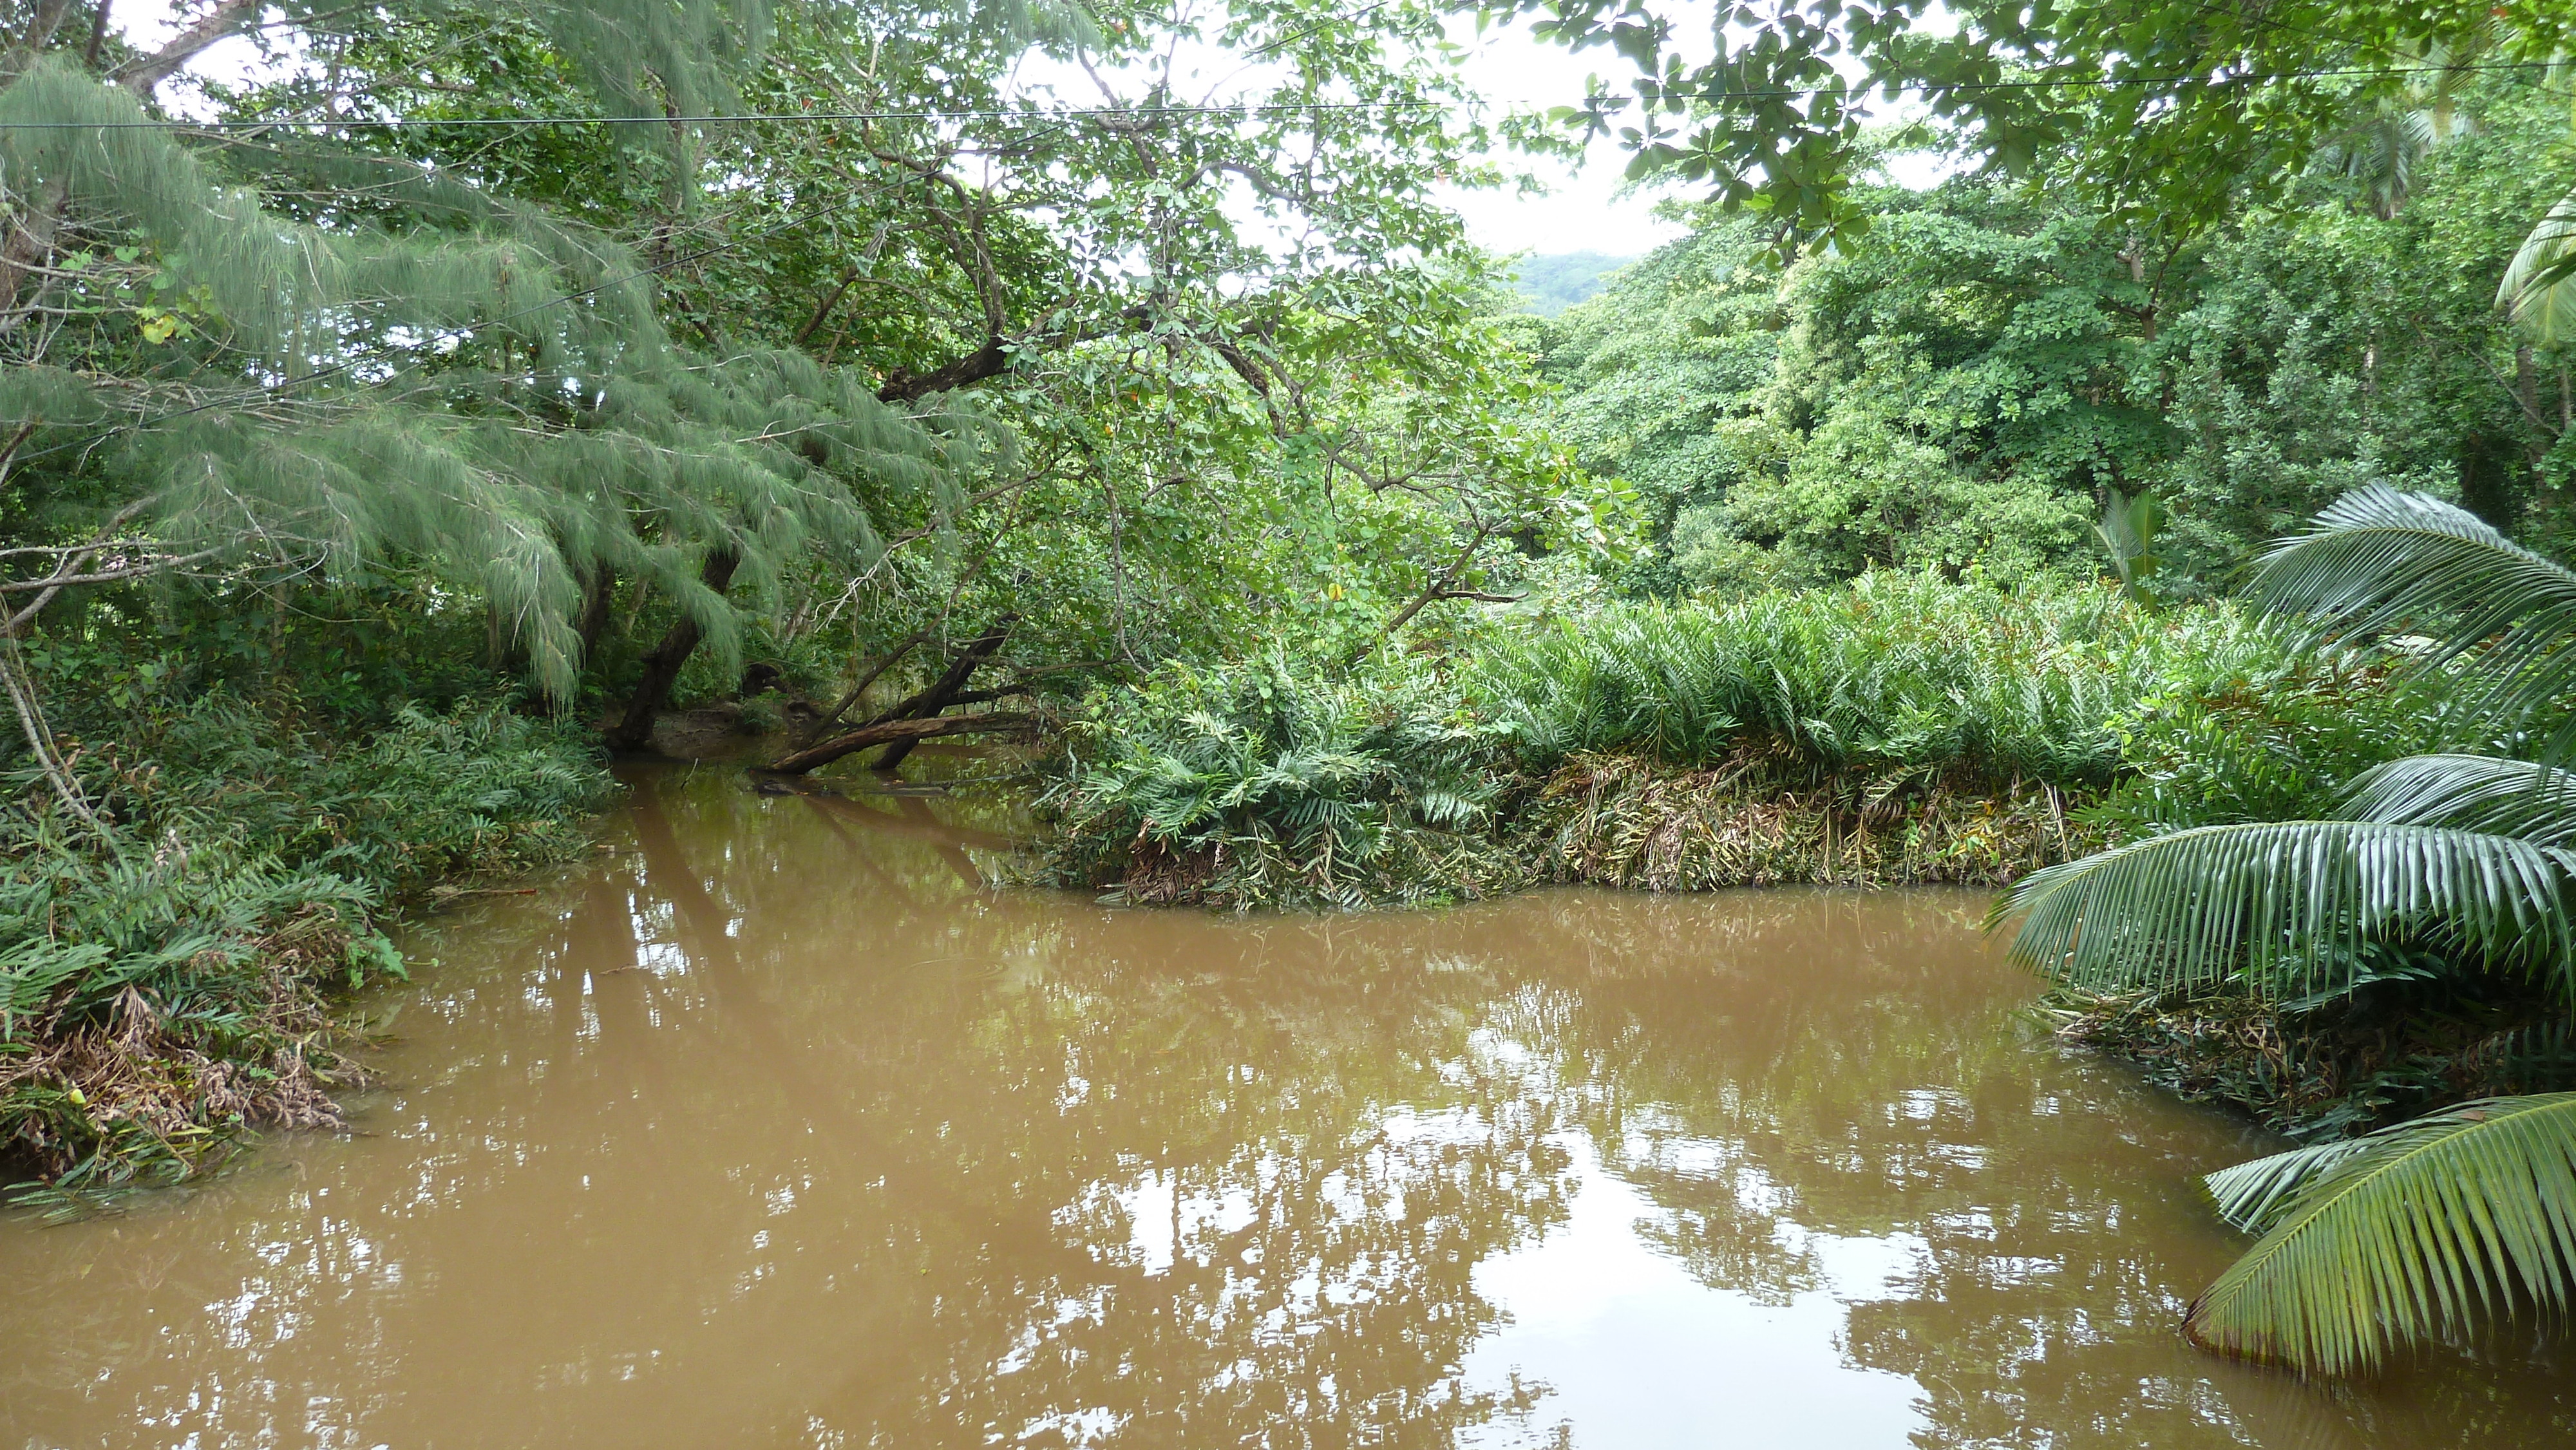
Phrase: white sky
[1584,208]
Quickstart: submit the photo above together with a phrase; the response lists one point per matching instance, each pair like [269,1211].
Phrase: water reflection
[778,1129]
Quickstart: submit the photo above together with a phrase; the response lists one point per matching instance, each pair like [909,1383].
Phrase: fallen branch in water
[886,732]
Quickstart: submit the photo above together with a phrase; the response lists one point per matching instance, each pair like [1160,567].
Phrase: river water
[774,1128]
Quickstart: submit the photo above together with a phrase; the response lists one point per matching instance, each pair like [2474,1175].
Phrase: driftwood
[889,732]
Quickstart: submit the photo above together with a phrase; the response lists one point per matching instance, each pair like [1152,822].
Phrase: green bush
[1263,785]
[1892,672]
[161,992]
[1901,727]
[2276,740]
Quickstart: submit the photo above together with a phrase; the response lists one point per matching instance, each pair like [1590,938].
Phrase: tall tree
[2166,113]
[264,360]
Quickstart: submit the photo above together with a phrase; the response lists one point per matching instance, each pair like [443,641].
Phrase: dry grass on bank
[1627,822]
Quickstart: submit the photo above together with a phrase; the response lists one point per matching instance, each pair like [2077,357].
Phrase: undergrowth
[1901,728]
[1762,819]
[163,983]
[1890,674]
[1263,785]
[2332,1069]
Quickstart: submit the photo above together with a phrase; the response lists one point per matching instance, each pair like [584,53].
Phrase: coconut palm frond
[2539,287]
[2253,1195]
[2397,1237]
[2378,561]
[2287,903]
[2520,798]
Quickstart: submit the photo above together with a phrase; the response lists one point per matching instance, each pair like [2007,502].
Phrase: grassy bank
[1898,729]
[165,983]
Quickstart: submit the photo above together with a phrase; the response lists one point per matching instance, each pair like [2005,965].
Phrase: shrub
[1891,672]
[162,992]
[1899,728]
[1260,785]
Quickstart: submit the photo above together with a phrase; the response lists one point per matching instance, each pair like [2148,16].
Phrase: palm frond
[2285,902]
[2128,530]
[2539,287]
[2401,1236]
[2378,560]
[2519,798]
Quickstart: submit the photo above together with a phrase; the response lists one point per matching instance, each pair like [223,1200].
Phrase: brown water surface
[774,1129]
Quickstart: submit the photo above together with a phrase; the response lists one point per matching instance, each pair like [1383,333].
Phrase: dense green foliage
[1969,389]
[158,996]
[2166,114]
[1889,673]
[2444,871]
[1552,282]
[1870,702]
[1258,786]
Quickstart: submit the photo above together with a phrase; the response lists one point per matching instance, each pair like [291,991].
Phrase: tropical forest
[1173,723]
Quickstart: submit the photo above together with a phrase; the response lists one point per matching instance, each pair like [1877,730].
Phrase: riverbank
[170,970]
[1899,731]
[168,991]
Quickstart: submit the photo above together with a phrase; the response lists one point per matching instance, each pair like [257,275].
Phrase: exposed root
[2371,1059]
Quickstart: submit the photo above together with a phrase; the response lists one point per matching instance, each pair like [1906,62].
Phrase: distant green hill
[1551,284]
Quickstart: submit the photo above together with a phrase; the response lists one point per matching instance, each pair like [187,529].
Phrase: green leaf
[2406,1235]
[2284,901]
[2539,286]
[2534,802]
[2378,561]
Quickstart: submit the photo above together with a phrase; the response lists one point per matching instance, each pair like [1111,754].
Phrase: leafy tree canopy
[2164,114]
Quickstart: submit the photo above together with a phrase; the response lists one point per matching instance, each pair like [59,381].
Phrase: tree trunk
[937,698]
[29,244]
[662,666]
[833,716]
[2526,387]
[900,733]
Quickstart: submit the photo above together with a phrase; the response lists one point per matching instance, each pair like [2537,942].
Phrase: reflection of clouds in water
[1857,1268]
[1167,1219]
[1634,1351]
[867,1155]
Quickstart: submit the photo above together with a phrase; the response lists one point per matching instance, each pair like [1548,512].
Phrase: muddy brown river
[774,1128]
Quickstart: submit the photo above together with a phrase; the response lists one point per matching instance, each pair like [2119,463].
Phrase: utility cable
[1041,113]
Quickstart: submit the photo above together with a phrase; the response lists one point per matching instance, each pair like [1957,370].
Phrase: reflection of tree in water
[877,1153]
[1275,1150]
[1274,1177]
[2043,1207]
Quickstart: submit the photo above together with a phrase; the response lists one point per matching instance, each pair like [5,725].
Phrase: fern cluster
[1840,710]
[1269,785]
[1890,673]
[160,988]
